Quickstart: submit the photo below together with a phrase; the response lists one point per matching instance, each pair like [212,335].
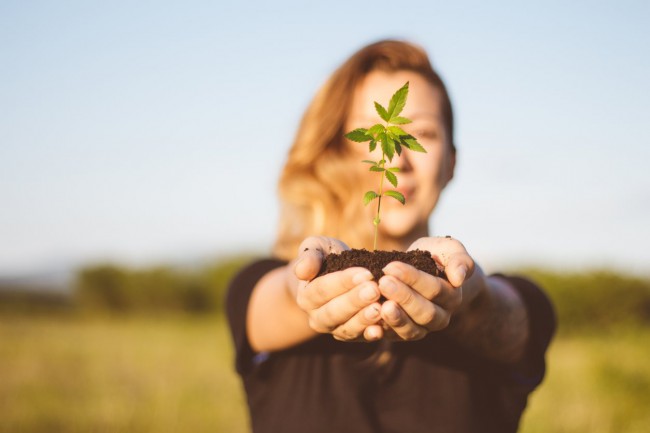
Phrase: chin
[398,224]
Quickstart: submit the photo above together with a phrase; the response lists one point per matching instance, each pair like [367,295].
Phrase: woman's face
[423,175]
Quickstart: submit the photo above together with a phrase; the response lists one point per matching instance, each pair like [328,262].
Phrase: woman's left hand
[417,302]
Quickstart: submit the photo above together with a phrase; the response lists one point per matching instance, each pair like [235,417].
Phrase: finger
[355,329]
[420,310]
[311,253]
[327,287]
[344,307]
[432,288]
[373,332]
[451,254]
[400,323]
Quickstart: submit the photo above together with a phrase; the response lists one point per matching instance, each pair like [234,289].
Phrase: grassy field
[175,374]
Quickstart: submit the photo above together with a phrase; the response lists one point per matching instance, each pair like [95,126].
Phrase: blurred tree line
[159,289]
[584,301]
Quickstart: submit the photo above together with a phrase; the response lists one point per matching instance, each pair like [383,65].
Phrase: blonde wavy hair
[318,187]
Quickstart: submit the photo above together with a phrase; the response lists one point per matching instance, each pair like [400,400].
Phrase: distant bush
[21,300]
[596,299]
[158,289]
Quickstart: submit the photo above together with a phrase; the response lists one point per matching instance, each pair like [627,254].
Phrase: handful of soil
[375,261]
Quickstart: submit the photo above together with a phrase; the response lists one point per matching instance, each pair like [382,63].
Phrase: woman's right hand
[344,303]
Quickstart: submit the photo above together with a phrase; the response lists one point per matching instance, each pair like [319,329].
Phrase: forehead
[423,99]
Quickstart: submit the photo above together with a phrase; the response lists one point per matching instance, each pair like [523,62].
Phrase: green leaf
[394,169]
[369,196]
[376,221]
[396,195]
[391,178]
[369,162]
[376,129]
[387,146]
[397,131]
[372,146]
[398,147]
[398,101]
[382,111]
[377,169]
[411,143]
[359,135]
[399,120]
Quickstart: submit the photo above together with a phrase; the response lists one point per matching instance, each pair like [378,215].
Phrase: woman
[410,352]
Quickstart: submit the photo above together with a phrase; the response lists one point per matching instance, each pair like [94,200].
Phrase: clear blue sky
[154,131]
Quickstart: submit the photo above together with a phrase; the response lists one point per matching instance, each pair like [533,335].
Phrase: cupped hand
[417,302]
[342,303]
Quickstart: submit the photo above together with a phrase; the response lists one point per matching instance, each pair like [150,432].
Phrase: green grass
[118,375]
[175,374]
[595,383]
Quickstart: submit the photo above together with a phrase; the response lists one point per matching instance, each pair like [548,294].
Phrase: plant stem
[381,192]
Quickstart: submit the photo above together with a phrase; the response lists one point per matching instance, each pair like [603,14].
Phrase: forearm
[494,323]
[274,320]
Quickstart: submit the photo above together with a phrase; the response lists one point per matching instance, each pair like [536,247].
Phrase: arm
[289,305]
[495,323]
[484,314]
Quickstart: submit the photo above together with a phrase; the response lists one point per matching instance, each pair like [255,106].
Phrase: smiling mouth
[406,192]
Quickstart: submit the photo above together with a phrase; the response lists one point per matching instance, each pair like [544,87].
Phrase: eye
[428,134]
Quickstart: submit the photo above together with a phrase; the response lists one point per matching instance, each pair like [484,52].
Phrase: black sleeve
[542,324]
[237,298]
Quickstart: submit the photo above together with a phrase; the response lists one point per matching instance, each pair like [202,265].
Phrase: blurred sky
[154,131]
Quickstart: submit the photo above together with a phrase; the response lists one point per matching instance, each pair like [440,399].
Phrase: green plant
[392,140]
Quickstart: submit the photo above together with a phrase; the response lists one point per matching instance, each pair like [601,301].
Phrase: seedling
[392,140]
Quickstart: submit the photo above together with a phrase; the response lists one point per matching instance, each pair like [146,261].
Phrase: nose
[402,161]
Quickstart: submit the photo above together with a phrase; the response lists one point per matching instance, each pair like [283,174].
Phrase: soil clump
[375,261]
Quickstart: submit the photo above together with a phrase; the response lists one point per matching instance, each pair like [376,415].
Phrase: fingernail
[392,313]
[368,293]
[372,312]
[462,273]
[362,276]
[387,286]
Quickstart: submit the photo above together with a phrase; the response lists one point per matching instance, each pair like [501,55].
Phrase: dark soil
[375,261]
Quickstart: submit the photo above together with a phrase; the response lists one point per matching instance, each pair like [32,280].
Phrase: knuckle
[347,334]
[406,297]
[412,333]
[456,301]
[301,301]
[428,315]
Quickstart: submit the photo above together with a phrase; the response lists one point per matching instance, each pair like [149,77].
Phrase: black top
[430,385]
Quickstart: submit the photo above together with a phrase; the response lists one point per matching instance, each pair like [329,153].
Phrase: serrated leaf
[377,169]
[391,178]
[359,135]
[394,169]
[396,195]
[397,120]
[376,129]
[411,143]
[397,101]
[382,111]
[397,131]
[372,146]
[369,196]
[398,148]
[387,146]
